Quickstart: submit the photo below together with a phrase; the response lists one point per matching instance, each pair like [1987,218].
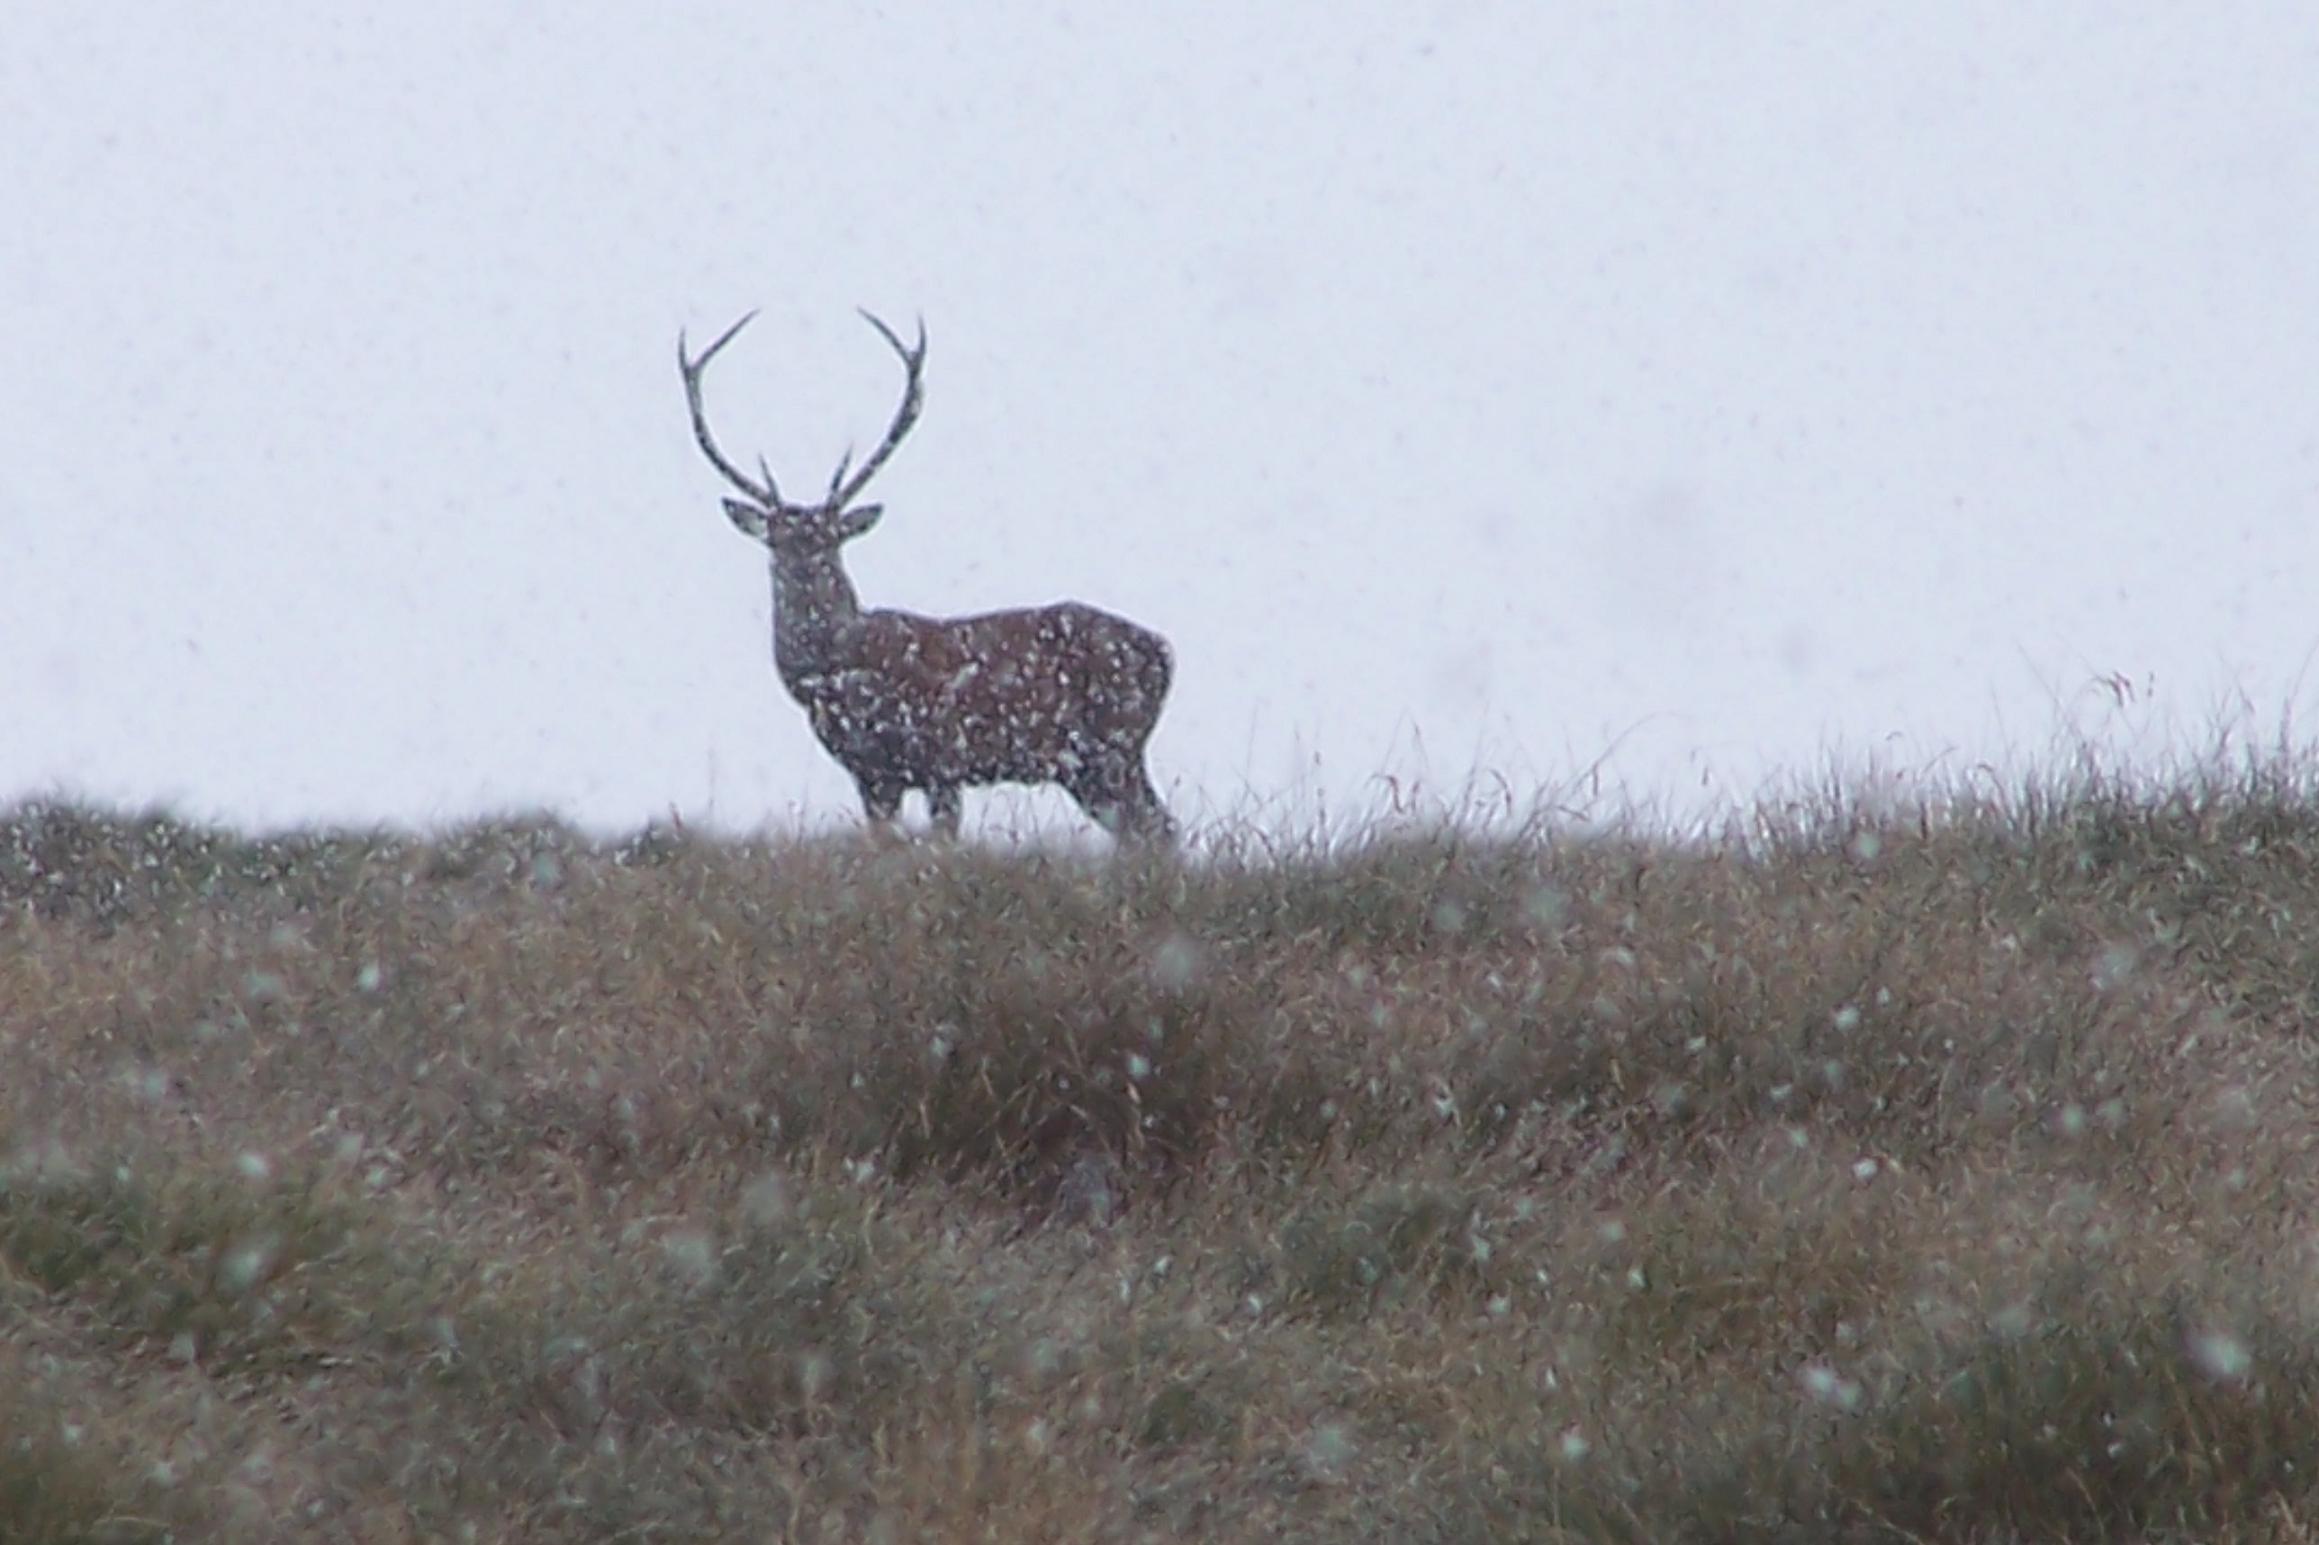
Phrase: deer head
[815,608]
[781,524]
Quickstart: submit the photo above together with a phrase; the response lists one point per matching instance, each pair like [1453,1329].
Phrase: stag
[1065,694]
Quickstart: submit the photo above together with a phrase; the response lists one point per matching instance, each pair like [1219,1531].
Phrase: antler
[842,490]
[767,493]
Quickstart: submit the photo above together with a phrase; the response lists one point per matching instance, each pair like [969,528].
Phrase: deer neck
[817,616]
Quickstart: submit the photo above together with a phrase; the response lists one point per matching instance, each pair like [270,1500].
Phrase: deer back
[1001,695]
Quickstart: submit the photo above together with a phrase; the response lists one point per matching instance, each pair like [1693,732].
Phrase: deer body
[1065,694]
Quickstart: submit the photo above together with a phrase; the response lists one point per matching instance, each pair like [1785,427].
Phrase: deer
[1064,694]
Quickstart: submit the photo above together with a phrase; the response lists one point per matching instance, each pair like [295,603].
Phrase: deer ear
[858,520]
[752,521]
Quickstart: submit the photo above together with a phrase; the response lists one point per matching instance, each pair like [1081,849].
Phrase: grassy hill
[1938,1172]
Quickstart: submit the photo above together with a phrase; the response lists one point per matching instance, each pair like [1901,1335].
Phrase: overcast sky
[1467,385]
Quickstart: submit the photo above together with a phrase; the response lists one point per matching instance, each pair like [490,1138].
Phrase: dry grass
[1929,1173]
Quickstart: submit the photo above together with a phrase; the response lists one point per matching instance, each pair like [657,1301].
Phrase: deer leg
[1118,797]
[1086,789]
[1084,776]
[944,804]
[1148,818]
[1133,807]
[882,803]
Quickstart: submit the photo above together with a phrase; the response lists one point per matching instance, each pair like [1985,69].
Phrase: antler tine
[768,493]
[842,490]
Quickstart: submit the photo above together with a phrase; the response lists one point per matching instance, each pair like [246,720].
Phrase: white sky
[1718,386]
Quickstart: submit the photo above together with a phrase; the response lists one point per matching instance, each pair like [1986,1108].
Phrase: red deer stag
[1060,694]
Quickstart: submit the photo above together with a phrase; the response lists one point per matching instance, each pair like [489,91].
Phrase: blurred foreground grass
[1938,1172]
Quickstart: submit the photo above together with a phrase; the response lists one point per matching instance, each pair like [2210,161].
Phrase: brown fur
[1064,694]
